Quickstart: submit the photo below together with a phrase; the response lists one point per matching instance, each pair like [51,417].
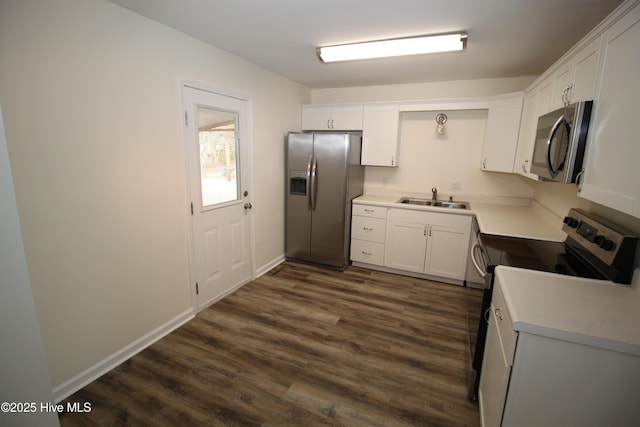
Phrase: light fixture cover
[393,47]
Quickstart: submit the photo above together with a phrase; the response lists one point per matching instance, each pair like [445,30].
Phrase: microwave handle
[561,121]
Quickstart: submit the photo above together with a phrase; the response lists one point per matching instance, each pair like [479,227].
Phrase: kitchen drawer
[370,229]
[369,252]
[370,211]
[507,335]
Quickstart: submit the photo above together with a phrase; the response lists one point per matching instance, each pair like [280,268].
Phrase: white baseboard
[69,387]
[274,263]
[456,282]
[84,378]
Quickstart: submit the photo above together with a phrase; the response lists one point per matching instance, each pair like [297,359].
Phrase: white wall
[559,198]
[24,376]
[450,162]
[427,160]
[92,115]
[430,90]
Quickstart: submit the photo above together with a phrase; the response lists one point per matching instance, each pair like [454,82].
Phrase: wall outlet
[455,186]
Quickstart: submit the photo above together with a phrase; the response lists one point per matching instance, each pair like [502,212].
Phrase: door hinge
[186,119]
[197,289]
[191,208]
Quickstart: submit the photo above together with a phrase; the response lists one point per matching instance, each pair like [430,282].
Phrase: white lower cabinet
[531,379]
[498,358]
[495,377]
[368,233]
[409,241]
[407,244]
[430,243]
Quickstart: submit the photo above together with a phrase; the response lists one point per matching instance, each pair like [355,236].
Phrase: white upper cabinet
[325,117]
[561,88]
[536,103]
[501,134]
[611,175]
[572,82]
[586,73]
[380,135]
[527,135]
[576,80]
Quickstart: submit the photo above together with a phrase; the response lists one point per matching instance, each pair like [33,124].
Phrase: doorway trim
[246,142]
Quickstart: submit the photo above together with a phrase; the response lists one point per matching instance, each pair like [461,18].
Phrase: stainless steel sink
[452,205]
[412,201]
[437,204]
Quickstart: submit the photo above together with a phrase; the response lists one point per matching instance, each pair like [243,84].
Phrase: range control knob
[607,244]
[570,221]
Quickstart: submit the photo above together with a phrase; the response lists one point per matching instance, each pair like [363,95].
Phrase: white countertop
[597,313]
[530,221]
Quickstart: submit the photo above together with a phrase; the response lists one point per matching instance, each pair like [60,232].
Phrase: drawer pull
[498,314]
[366,253]
[369,210]
[367,229]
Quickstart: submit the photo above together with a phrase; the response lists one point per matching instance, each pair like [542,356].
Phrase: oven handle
[481,271]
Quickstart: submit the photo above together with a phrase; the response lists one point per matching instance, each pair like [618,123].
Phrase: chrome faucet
[434,194]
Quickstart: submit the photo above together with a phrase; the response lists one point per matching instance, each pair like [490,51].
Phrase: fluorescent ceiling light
[394,47]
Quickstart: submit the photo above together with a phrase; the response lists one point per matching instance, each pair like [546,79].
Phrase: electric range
[593,249]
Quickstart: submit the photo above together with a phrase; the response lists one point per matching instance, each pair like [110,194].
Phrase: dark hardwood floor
[302,346]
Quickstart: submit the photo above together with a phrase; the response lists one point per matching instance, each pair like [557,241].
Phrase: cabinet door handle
[328,123]
[498,313]
[566,98]
[484,163]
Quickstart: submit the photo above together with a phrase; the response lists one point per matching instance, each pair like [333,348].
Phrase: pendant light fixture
[393,47]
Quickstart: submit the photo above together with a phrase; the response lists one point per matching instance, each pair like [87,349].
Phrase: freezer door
[298,206]
[329,193]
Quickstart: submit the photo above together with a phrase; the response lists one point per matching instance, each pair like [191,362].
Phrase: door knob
[248,206]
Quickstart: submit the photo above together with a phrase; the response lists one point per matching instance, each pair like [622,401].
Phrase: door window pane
[217,134]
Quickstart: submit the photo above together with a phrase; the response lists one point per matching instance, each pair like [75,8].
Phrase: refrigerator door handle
[309,186]
[314,184]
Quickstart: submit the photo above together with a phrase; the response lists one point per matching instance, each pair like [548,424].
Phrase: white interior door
[216,144]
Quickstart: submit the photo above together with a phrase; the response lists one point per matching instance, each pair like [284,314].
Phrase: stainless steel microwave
[561,137]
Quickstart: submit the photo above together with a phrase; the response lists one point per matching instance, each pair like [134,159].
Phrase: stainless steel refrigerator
[324,175]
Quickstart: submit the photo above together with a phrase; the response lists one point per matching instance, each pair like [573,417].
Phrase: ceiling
[507,38]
